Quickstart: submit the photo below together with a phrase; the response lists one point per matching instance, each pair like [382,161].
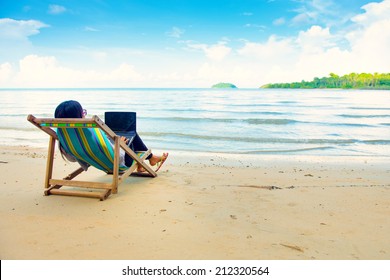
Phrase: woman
[73,109]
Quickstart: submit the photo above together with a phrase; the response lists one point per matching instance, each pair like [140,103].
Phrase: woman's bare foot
[155,159]
[140,169]
[158,160]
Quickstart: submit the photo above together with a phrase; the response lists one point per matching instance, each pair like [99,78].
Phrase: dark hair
[69,109]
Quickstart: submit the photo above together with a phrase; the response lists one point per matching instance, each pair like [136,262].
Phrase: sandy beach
[202,206]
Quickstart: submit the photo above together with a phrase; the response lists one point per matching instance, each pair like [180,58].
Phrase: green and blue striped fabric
[90,145]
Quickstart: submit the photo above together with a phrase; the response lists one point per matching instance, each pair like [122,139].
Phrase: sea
[234,121]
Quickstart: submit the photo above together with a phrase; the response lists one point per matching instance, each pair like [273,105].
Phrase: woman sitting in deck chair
[73,109]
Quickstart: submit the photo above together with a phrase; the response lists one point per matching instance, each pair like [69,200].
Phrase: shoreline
[202,206]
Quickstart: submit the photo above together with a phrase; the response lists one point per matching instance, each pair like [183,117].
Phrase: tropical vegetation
[349,81]
[224,85]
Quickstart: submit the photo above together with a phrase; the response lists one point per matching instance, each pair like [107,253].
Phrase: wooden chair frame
[53,186]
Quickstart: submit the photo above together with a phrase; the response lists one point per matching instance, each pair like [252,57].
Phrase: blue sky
[188,43]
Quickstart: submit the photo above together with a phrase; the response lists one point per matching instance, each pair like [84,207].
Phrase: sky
[188,43]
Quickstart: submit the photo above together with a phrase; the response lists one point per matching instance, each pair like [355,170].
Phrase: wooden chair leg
[49,162]
[69,177]
[115,176]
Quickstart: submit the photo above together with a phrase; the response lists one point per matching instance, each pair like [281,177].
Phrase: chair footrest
[84,184]
[102,195]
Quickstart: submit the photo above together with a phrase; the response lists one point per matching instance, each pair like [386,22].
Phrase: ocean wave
[286,151]
[375,142]
[13,115]
[191,119]
[271,121]
[252,121]
[263,140]
[370,108]
[13,128]
[230,111]
[364,116]
[350,124]
[252,105]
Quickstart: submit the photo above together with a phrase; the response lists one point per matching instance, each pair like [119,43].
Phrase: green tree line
[349,81]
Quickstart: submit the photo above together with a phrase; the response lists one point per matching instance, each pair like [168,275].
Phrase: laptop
[122,123]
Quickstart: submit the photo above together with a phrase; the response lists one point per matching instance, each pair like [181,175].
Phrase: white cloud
[370,40]
[124,73]
[90,29]
[373,12]
[15,38]
[315,39]
[175,32]
[46,71]
[272,50]
[322,6]
[217,52]
[56,9]
[304,18]
[279,21]
[323,12]
[310,65]
[214,52]
[5,72]
[232,71]
[19,29]
[257,26]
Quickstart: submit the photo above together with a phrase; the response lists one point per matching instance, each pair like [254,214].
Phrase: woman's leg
[137,146]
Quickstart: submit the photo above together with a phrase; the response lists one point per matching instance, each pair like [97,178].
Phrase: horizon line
[119,88]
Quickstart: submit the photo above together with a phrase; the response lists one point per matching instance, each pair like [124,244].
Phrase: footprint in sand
[187,181]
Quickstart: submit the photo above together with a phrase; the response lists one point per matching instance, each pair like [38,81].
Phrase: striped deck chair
[87,140]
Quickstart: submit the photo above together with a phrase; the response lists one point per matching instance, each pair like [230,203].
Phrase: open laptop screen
[122,123]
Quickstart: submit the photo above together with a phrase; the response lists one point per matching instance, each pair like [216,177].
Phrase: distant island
[349,81]
[224,85]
